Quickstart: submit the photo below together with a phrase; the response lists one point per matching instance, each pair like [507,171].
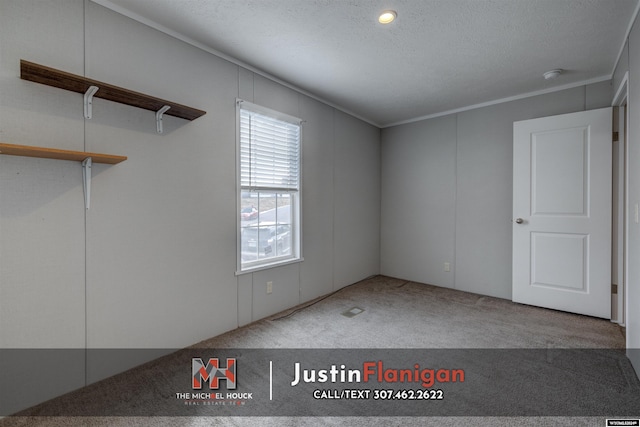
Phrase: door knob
[519,220]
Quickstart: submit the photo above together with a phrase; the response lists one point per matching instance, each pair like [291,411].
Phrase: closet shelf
[54,153]
[61,79]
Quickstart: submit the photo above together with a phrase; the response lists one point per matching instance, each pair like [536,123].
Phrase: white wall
[152,263]
[418,200]
[42,240]
[356,185]
[447,191]
[630,62]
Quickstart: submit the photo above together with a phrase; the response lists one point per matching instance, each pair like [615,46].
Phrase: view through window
[266,226]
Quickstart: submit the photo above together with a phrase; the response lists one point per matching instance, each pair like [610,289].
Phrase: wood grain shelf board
[63,80]
[54,153]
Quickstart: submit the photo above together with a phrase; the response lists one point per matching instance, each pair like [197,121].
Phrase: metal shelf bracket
[86,178]
[88,101]
[159,114]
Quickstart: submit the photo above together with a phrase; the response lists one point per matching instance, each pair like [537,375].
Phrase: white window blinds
[269,152]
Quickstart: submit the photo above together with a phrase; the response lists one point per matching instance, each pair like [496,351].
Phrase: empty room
[317,212]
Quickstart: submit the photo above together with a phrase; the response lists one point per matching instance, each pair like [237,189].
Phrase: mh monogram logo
[212,372]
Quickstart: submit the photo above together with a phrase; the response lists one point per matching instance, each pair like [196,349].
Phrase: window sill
[268,266]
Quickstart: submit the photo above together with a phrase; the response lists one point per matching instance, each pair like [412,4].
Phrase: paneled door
[562,168]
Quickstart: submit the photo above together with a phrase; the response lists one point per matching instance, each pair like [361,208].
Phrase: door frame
[621,125]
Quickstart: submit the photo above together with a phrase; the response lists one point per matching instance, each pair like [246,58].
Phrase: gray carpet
[401,314]
[397,315]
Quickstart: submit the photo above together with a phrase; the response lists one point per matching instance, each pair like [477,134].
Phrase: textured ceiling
[439,55]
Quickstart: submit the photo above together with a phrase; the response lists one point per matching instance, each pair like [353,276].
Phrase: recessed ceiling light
[550,75]
[387,16]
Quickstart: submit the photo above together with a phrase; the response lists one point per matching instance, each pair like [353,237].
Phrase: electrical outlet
[269,287]
[447,266]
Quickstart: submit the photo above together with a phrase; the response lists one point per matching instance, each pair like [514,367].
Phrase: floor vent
[353,312]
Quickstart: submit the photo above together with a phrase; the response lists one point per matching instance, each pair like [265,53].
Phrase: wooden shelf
[61,79]
[53,153]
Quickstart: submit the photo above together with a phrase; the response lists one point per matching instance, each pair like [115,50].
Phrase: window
[269,187]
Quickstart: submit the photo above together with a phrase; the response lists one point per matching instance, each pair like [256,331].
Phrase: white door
[562,212]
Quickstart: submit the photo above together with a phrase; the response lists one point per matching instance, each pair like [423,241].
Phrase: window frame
[296,195]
